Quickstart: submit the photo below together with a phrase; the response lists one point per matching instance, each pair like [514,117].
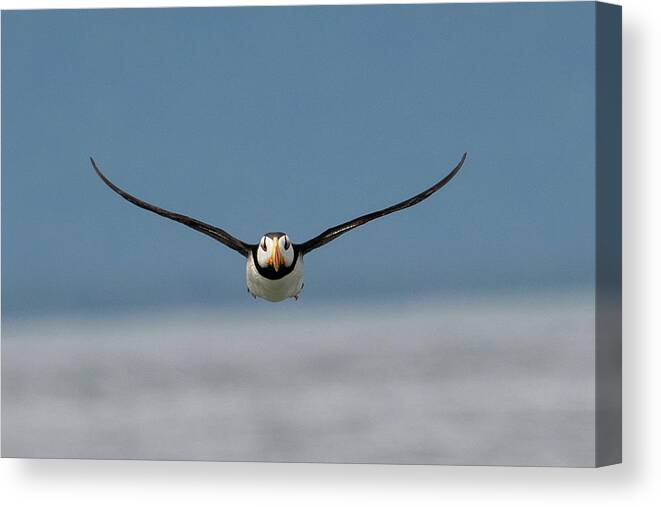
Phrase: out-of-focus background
[431,381]
[459,331]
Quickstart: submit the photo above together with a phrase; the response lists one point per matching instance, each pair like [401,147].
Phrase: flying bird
[274,266]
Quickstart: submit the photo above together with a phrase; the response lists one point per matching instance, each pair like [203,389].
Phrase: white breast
[274,290]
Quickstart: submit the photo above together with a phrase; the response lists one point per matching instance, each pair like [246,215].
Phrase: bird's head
[275,251]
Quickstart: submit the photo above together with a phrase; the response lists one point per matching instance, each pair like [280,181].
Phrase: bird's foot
[295,296]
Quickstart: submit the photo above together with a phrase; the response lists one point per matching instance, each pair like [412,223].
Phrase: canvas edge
[608,248]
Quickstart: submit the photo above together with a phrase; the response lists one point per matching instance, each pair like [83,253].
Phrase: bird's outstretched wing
[214,232]
[338,230]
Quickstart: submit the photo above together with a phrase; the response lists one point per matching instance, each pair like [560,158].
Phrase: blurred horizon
[488,382]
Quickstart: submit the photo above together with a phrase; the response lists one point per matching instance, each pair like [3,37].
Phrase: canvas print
[345,234]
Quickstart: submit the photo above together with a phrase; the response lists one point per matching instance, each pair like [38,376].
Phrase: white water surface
[505,381]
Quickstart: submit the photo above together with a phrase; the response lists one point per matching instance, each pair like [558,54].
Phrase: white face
[276,253]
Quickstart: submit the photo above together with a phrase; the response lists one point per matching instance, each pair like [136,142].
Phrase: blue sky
[295,119]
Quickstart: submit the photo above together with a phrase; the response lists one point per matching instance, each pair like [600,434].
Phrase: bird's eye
[263,244]
[287,243]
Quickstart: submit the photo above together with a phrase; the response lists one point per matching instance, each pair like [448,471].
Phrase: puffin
[274,265]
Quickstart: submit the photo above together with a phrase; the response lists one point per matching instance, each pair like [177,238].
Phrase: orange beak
[276,260]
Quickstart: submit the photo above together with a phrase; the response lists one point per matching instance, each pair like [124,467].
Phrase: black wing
[338,230]
[214,232]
